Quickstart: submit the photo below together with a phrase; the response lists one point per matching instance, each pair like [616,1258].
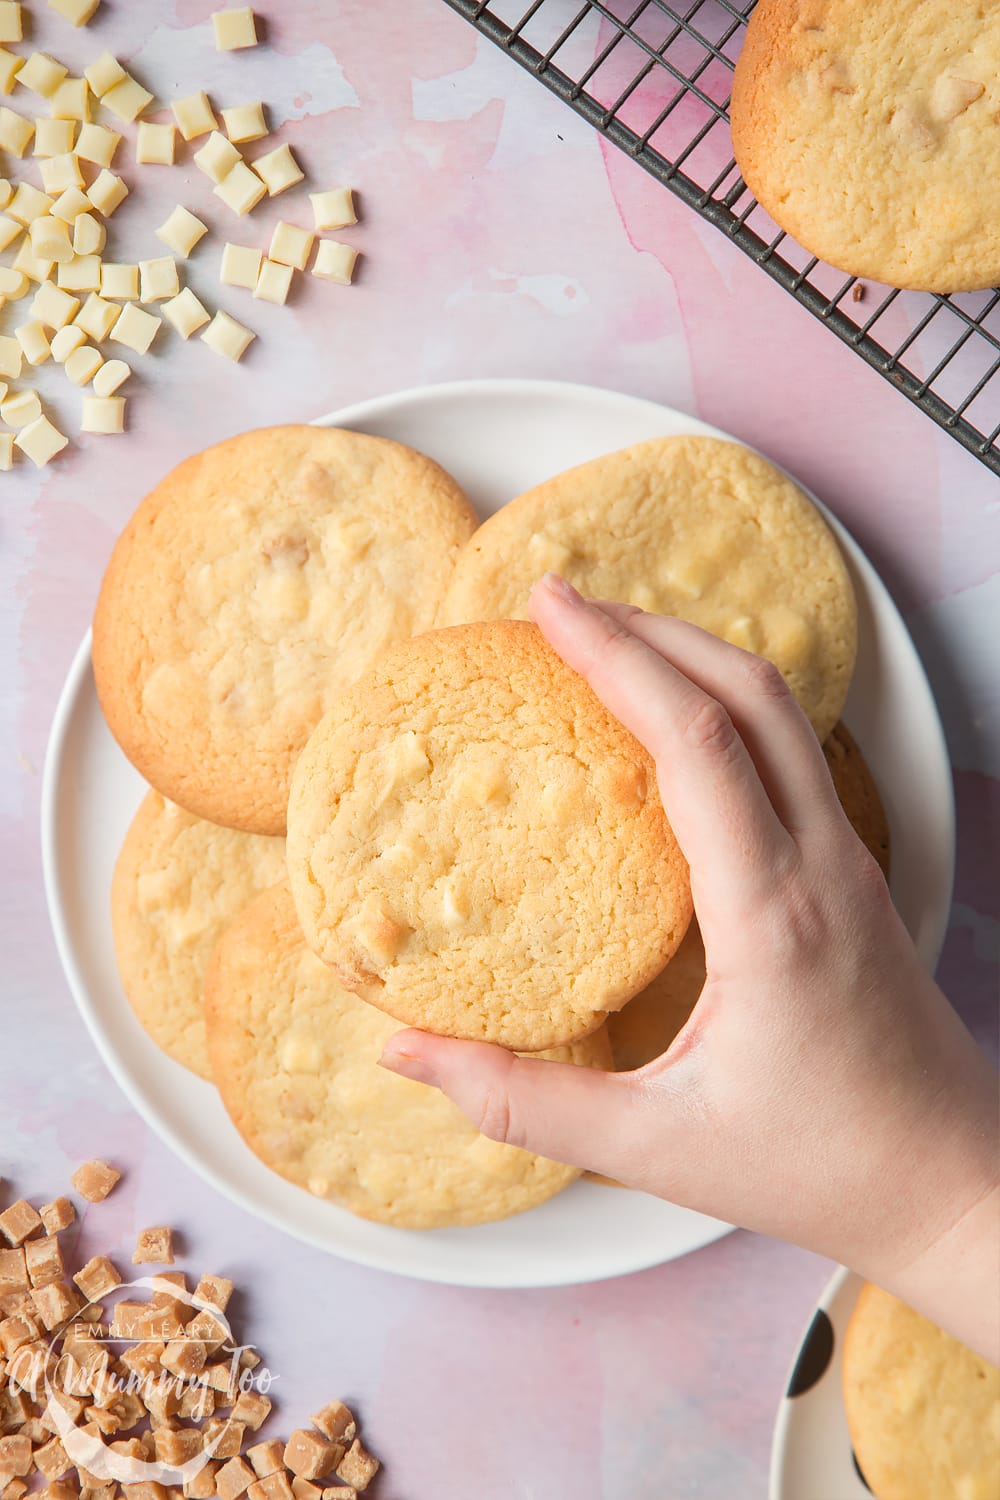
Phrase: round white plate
[498,437]
[811,1456]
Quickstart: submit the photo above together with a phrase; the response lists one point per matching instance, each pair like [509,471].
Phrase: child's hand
[823,1089]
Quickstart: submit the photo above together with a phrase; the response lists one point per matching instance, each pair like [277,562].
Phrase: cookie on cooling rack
[478,847]
[923,1411]
[295,1057]
[868,130]
[178,883]
[694,527]
[254,584]
[646,1026]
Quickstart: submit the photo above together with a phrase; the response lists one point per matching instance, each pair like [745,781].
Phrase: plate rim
[54,769]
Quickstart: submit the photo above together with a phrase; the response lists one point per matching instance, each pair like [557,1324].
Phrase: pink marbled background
[500,238]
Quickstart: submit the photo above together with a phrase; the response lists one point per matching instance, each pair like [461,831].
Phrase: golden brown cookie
[254,584]
[478,847]
[868,130]
[646,1026]
[689,526]
[178,883]
[923,1411]
[295,1057]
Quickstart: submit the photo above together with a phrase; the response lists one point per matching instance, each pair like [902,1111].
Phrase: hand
[823,1090]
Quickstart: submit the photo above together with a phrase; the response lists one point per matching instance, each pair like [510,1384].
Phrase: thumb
[577,1115]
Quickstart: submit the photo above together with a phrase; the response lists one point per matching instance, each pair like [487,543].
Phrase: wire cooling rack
[655,79]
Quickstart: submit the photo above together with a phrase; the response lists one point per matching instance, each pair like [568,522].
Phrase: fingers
[572,1114]
[770,722]
[718,808]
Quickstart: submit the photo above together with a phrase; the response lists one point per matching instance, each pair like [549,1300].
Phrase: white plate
[498,437]
[812,1457]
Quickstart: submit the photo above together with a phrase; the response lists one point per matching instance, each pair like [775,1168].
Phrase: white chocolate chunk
[227,337]
[279,170]
[335,262]
[9,231]
[104,73]
[27,261]
[10,21]
[41,441]
[119,280]
[29,204]
[70,204]
[76,12]
[158,279]
[83,364]
[50,239]
[42,74]
[334,209]
[66,342]
[194,115]
[89,234]
[112,374]
[217,157]
[53,137]
[61,172]
[103,414]
[6,192]
[241,189]
[245,122]
[234,29]
[127,99]
[21,409]
[240,266]
[71,100]
[155,144]
[81,274]
[185,312]
[181,231]
[54,308]
[34,342]
[274,282]
[11,357]
[13,283]
[10,65]
[106,192]
[290,245]
[6,450]
[15,131]
[136,329]
[97,143]
[97,318]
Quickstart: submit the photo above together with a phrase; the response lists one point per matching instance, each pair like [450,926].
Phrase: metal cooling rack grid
[655,80]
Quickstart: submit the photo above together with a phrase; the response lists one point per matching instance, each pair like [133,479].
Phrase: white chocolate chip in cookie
[549,555]
[300,1054]
[456,906]
[951,96]
[375,932]
[482,784]
[408,762]
[743,631]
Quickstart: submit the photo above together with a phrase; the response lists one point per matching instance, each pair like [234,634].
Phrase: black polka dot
[814,1356]
[857,1470]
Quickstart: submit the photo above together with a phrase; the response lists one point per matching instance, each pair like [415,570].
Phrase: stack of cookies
[303,632]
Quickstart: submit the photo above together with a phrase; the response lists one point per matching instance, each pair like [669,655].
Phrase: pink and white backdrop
[500,237]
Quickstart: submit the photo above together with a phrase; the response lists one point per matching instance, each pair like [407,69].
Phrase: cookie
[923,1411]
[254,584]
[646,1026]
[867,130]
[177,885]
[478,847]
[688,526]
[295,1057]
[855,786]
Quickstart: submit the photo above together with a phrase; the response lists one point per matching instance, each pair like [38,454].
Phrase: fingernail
[558,586]
[398,1060]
